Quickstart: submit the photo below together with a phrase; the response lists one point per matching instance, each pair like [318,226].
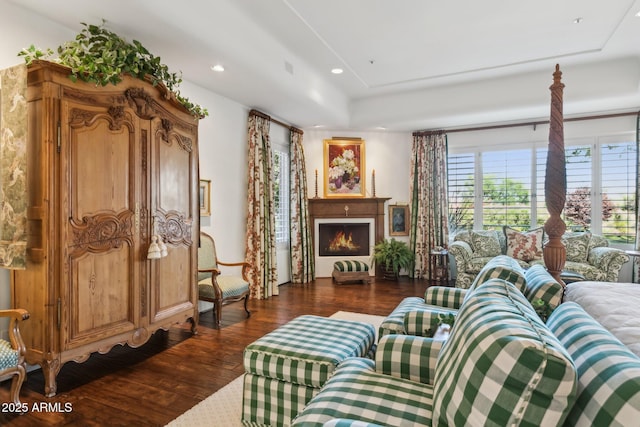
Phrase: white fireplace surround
[324,264]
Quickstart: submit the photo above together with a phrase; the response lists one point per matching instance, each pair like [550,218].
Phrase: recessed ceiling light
[218,68]
[577,20]
[638,14]
[337,70]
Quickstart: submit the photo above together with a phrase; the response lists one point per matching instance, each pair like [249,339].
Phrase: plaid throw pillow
[525,246]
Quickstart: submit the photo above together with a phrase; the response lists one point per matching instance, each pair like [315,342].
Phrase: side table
[439,267]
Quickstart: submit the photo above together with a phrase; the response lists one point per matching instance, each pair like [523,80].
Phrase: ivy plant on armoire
[109,169]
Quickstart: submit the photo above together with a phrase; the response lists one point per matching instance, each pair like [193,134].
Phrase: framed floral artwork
[344,168]
[205,197]
[399,220]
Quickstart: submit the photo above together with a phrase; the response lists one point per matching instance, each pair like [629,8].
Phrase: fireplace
[343,239]
[352,213]
[353,240]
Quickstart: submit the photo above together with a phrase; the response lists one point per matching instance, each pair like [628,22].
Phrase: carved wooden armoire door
[174,214]
[100,167]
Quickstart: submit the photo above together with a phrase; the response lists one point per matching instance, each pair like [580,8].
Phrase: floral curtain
[429,202]
[260,239]
[302,262]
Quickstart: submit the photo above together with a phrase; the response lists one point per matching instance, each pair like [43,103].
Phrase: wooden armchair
[213,286]
[12,353]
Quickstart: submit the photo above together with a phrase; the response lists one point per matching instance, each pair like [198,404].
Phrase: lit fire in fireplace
[343,239]
[343,242]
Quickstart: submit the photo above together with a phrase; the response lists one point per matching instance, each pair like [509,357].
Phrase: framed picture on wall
[344,168]
[205,197]
[399,220]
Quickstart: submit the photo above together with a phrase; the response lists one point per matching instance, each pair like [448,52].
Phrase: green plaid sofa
[501,366]
[414,315]
[285,368]
[608,372]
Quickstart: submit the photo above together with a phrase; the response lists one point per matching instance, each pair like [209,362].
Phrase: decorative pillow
[485,243]
[577,246]
[525,246]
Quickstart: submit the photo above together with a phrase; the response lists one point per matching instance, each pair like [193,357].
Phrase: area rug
[224,407]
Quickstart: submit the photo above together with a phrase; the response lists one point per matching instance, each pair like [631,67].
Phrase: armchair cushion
[8,355]
[357,391]
[231,286]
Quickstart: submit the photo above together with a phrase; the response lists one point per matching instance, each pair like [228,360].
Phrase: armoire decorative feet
[108,168]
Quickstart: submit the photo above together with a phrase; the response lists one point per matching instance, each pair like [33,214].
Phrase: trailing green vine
[100,56]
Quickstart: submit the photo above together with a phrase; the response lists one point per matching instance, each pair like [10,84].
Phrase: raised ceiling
[408,65]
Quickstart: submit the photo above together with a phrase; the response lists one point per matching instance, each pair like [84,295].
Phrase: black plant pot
[388,274]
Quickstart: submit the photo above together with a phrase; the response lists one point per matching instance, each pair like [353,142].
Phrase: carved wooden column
[555,184]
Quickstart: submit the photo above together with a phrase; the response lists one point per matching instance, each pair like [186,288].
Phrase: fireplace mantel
[370,207]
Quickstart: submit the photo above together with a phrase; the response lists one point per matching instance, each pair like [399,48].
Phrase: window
[618,195]
[506,188]
[488,189]
[281,194]
[461,169]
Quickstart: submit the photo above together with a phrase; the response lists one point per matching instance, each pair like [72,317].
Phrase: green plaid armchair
[213,286]
[500,366]
[12,352]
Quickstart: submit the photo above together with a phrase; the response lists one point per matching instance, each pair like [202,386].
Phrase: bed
[616,306]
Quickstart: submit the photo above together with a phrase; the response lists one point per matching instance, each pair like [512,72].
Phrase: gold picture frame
[399,220]
[205,197]
[344,167]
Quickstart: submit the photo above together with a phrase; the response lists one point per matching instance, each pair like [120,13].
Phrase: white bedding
[616,306]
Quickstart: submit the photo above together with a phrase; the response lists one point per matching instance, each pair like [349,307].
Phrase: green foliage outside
[507,202]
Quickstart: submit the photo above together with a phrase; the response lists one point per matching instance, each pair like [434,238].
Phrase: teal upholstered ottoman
[351,271]
[286,368]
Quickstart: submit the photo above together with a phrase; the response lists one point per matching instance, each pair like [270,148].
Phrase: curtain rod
[511,125]
[278,122]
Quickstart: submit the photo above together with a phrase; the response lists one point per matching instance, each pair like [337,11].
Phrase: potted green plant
[101,56]
[391,256]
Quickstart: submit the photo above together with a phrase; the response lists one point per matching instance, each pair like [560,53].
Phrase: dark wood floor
[152,385]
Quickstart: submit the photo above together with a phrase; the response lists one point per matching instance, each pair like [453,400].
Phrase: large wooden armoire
[108,168]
